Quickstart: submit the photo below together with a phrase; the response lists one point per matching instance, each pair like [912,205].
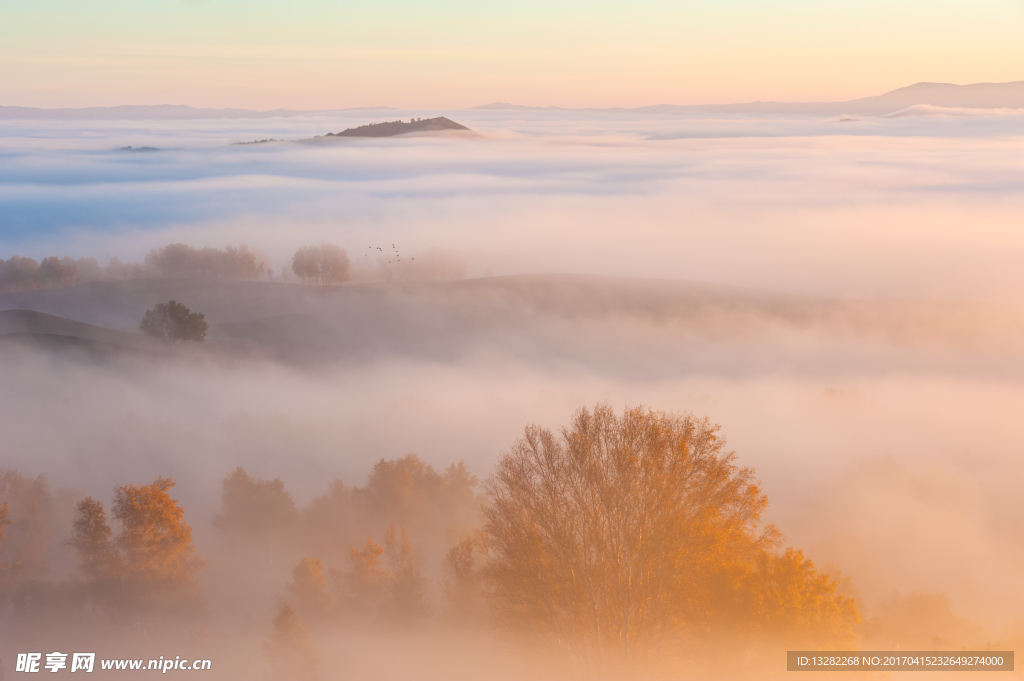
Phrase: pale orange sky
[311,54]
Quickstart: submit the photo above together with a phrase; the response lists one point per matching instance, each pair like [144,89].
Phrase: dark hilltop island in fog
[393,128]
[417,126]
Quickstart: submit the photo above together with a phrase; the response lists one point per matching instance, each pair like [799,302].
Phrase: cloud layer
[885,432]
[890,208]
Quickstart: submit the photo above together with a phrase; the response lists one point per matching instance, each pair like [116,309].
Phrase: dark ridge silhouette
[392,128]
[30,322]
[82,348]
[29,328]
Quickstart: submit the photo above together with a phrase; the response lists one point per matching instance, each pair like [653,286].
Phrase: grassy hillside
[613,324]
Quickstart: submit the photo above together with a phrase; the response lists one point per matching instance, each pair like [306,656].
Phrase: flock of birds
[397,255]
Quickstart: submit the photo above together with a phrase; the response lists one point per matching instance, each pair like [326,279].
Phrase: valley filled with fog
[846,299]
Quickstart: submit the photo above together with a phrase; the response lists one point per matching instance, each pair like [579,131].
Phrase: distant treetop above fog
[319,264]
[181,261]
[172,321]
[323,264]
[175,261]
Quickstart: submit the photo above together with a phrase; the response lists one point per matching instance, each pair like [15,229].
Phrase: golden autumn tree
[384,581]
[289,651]
[308,588]
[622,530]
[155,542]
[365,581]
[793,602]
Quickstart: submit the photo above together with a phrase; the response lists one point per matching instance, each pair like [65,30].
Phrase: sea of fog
[903,473]
[920,206]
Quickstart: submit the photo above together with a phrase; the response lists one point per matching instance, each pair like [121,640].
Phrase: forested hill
[392,128]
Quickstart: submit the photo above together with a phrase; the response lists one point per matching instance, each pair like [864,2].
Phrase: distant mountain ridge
[946,95]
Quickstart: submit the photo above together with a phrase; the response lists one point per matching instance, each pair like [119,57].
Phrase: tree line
[320,264]
[619,534]
[174,261]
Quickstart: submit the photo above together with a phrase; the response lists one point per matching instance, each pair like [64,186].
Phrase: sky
[315,54]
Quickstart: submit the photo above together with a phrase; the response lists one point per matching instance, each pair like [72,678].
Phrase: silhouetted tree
[181,261]
[410,493]
[89,270]
[172,321]
[328,517]
[98,559]
[253,506]
[308,588]
[18,274]
[290,654]
[28,536]
[407,589]
[55,272]
[118,271]
[5,520]
[463,595]
[323,264]
[25,274]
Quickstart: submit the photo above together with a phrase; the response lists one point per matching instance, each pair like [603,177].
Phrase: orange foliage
[155,540]
[384,580]
[625,530]
[792,602]
[308,588]
[290,654]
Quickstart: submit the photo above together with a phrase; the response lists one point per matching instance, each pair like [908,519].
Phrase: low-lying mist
[878,448]
[844,299]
